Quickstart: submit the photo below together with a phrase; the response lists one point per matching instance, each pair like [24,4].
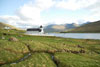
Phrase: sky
[30,13]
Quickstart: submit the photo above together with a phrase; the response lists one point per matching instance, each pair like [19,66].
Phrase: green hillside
[12,30]
[3,25]
[93,27]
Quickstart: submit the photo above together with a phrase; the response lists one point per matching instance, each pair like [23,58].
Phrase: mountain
[59,28]
[4,25]
[85,23]
[70,26]
[7,29]
[91,27]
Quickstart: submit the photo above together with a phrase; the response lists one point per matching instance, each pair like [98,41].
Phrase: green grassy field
[47,51]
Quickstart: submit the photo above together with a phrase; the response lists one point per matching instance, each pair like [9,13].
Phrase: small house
[7,28]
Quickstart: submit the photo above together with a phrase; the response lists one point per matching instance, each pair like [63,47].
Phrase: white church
[35,30]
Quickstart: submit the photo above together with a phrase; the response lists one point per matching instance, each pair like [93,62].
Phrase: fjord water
[77,35]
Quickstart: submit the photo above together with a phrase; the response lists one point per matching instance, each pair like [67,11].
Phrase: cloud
[9,19]
[32,10]
[63,21]
[12,20]
[94,12]
[93,7]
[29,14]
[44,4]
[75,4]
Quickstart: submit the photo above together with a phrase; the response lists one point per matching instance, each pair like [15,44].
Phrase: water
[77,35]
[70,35]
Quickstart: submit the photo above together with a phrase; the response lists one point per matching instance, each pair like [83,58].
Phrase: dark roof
[34,29]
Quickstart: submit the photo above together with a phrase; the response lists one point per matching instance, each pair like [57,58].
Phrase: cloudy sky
[29,13]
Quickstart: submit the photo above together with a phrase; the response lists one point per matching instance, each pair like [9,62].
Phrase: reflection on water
[77,35]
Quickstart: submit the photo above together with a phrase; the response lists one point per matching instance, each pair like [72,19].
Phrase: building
[7,28]
[35,30]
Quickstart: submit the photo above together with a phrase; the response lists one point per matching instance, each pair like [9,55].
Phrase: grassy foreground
[48,51]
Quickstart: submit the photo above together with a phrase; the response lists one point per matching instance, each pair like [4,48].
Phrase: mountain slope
[59,28]
[72,25]
[3,25]
[93,27]
[11,30]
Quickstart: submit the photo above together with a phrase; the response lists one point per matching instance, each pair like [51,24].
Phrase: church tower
[41,27]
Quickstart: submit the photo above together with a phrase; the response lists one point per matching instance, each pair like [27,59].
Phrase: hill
[92,27]
[59,28]
[4,25]
[9,29]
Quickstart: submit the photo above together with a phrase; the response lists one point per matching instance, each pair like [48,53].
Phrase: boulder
[13,39]
[2,37]
[20,35]
[4,33]
[80,46]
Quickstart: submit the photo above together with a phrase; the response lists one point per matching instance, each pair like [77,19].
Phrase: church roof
[34,29]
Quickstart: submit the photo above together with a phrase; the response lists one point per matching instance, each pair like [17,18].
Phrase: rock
[82,51]
[75,52]
[80,46]
[2,37]
[8,30]
[20,35]
[13,39]
[51,51]
[4,33]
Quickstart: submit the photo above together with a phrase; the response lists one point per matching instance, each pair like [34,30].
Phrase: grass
[76,60]
[36,60]
[11,51]
[67,52]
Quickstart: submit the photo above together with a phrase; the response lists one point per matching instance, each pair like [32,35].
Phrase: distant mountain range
[60,28]
[90,27]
